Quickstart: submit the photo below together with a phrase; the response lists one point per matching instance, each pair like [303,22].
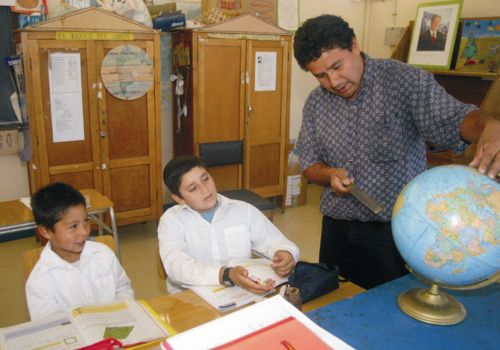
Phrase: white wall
[369,31]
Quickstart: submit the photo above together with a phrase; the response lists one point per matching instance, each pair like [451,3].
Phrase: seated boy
[71,271]
[200,235]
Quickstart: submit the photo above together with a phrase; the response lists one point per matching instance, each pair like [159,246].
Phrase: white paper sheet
[65,83]
[288,14]
[246,321]
[265,71]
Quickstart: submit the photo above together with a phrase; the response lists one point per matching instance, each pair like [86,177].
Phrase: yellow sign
[93,36]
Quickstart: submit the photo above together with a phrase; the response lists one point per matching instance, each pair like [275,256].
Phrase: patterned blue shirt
[379,136]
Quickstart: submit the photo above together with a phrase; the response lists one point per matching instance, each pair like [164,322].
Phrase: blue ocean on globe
[446,225]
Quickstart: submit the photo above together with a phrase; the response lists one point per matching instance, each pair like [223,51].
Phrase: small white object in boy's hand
[258,280]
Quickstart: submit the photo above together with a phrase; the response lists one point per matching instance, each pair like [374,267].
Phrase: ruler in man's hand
[370,202]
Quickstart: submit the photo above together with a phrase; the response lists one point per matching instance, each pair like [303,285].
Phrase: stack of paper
[271,324]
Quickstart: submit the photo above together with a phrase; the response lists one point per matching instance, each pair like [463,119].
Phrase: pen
[227,306]
[287,345]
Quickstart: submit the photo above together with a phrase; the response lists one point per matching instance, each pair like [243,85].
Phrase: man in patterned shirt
[368,122]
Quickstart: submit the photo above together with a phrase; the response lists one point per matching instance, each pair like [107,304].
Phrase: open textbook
[271,324]
[128,321]
[227,298]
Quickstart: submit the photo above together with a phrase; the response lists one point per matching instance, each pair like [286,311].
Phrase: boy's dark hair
[176,168]
[50,203]
[319,34]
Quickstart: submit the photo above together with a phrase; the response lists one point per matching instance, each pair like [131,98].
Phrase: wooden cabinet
[225,102]
[120,151]
[481,89]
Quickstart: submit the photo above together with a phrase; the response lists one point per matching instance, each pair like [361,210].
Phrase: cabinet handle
[103,166]
[102,134]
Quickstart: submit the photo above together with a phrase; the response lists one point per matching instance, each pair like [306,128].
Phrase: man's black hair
[50,203]
[176,168]
[319,34]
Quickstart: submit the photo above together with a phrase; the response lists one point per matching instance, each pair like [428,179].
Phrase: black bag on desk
[313,279]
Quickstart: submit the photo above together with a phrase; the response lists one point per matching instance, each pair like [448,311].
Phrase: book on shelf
[271,324]
[228,298]
[128,321]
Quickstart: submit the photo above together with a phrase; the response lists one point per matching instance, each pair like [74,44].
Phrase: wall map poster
[127,72]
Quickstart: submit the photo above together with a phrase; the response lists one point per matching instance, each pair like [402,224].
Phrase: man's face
[435,23]
[339,70]
[197,190]
[70,233]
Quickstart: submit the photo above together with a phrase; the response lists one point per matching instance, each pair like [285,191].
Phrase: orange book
[287,334]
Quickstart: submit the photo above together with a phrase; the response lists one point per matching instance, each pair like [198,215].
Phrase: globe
[446,226]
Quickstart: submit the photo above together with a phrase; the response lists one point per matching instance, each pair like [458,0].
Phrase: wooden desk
[186,310]
[15,216]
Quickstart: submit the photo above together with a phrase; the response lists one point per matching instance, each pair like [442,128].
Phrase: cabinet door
[129,143]
[266,130]
[73,162]
[219,97]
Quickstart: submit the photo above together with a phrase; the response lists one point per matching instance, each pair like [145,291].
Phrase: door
[219,100]
[75,162]
[267,102]
[128,143]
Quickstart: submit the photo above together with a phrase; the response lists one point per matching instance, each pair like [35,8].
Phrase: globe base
[432,306]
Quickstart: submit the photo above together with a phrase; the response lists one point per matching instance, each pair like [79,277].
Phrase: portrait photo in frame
[479,45]
[434,34]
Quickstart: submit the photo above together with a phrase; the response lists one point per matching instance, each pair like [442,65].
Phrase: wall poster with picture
[479,49]
[434,34]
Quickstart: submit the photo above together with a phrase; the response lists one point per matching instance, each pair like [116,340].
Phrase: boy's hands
[283,263]
[239,275]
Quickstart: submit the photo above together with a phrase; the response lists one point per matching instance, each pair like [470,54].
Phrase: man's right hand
[339,180]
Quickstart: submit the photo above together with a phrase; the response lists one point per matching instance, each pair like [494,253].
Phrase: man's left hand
[283,263]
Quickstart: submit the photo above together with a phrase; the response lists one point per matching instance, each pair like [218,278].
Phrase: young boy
[71,270]
[205,230]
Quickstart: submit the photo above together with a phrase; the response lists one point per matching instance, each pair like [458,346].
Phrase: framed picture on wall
[29,7]
[434,33]
[479,45]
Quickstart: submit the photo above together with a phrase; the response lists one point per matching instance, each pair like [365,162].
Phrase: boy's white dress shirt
[193,250]
[56,285]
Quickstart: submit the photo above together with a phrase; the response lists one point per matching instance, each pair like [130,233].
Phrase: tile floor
[138,246]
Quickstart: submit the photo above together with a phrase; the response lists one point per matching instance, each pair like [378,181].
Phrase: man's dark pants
[364,251]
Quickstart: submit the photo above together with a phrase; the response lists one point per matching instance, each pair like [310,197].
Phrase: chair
[30,257]
[159,266]
[228,153]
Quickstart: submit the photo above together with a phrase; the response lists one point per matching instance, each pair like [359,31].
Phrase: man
[432,39]
[368,122]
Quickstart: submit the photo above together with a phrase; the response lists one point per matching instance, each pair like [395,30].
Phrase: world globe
[446,226]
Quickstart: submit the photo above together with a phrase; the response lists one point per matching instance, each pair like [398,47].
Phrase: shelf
[484,75]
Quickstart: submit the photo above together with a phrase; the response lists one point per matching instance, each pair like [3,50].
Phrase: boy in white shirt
[205,230]
[71,271]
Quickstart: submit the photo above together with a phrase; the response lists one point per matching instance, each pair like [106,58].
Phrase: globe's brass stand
[436,307]
[432,306]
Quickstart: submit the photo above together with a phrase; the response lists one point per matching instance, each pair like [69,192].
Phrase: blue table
[373,320]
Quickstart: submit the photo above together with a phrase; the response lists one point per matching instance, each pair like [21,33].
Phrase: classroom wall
[368,18]
[377,15]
